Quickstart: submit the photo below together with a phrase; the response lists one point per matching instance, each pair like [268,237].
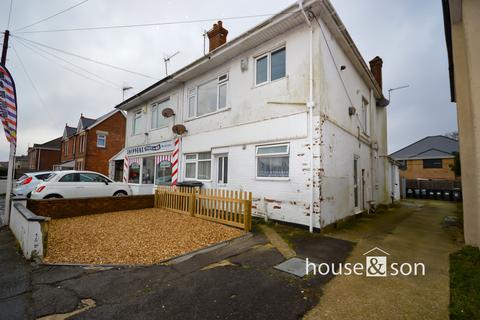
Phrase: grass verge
[465,284]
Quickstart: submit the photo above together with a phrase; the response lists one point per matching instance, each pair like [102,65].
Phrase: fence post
[191,205]
[247,220]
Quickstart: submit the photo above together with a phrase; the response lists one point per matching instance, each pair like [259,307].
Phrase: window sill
[209,114]
[268,82]
[273,178]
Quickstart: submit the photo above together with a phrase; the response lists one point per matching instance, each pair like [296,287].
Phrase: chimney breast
[217,36]
[376,68]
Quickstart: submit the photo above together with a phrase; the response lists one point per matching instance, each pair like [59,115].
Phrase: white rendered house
[288,110]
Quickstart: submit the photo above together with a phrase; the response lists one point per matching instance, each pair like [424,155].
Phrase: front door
[221,176]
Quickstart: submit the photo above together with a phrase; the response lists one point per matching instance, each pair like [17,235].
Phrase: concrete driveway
[411,233]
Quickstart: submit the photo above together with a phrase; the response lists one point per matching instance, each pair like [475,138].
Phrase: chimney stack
[376,68]
[217,36]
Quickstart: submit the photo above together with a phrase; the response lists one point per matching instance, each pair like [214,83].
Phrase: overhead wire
[32,83]
[155,23]
[50,17]
[86,58]
[9,14]
[36,51]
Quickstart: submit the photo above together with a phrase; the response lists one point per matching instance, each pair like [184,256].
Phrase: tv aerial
[166,60]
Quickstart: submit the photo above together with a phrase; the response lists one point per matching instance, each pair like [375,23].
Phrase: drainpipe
[310,105]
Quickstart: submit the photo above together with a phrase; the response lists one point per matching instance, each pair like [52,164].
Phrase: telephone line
[87,59]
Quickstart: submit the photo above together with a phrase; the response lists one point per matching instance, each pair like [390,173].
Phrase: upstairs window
[137,123]
[270,66]
[208,97]
[65,148]
[432,163]
[273,161]
[158,120]
[101,140]
[364,116]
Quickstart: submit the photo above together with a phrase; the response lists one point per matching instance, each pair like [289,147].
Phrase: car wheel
[53,196]
[120,194]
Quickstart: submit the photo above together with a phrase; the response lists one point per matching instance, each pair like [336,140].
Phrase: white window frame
[155,110]
[222,80]
[104,140]
[276,154]
[269,66]
[137,115]
[196,161]
[365,116]
[221,179]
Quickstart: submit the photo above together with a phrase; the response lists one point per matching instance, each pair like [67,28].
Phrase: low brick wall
[67,208]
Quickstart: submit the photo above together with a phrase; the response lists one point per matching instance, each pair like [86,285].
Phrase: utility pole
[5,47]
[11,156]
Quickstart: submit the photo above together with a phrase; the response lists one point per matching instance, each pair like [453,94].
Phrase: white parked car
[29,182]
[79,184]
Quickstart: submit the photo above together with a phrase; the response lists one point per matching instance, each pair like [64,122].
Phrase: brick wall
[66,208]
[48,158]
[415,170]
[97,158]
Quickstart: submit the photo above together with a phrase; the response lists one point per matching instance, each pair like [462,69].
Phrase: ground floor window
[134,173]
[273,161]
[148,170]
[198,166]
[164,173]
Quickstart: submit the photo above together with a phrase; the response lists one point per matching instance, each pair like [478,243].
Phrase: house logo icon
[376,262]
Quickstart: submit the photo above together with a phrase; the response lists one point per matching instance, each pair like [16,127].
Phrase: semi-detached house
[288,110]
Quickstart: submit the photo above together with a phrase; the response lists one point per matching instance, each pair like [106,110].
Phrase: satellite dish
[179,129]
[168,112]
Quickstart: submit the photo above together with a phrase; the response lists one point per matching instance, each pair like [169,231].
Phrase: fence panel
[233,208]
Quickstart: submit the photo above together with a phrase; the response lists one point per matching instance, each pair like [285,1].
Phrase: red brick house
[93,142]
[42,157]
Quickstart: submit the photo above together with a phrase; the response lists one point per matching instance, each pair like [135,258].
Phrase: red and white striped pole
[126,166]
[175,155]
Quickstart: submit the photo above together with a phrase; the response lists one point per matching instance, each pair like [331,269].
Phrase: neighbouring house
[92,143]
[42,157]
[429,158]
[462,26]
[21,165]
[288,110]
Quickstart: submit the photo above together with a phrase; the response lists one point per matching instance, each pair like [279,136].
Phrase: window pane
[160,120]
[207,98]
[432,163]
[137,124]
[204,170]
[204,156]
[278,64]
[220,170]
[134,173]
[222,96]
[190,171]
[225,170]
[71,177]
[191,106]
[191,156]
[272,149]
[261,70]
[148,170]
[272,166]
[164,173]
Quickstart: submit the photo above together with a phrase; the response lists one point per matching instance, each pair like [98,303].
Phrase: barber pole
[175,155]
[125,169]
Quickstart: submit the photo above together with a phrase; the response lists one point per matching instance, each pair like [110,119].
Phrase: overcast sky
[407,34]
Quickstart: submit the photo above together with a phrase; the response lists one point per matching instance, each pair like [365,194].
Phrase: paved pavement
[412,233]
[236,281]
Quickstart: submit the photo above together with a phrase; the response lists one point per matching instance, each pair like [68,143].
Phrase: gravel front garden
[144,237]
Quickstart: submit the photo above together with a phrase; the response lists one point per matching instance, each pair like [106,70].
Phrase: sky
[407,34]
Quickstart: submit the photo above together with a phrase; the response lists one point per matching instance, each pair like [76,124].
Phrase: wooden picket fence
[233,208]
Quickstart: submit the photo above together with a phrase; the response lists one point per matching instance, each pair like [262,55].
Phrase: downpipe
[310,106]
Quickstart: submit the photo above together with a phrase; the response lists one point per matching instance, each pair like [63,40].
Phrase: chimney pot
[217,36]
[376,68]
